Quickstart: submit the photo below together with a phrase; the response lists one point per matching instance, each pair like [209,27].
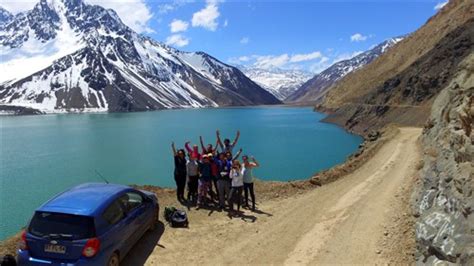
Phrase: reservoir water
[41,156]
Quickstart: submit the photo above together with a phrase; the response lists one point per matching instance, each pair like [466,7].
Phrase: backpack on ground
[175,217]
[168,212]
[179,219]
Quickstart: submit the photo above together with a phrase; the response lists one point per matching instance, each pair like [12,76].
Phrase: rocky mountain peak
[279,82]
[81,57]
[5,16]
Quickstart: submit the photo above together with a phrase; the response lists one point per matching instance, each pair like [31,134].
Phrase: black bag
[8,260]
[168,212]
[179,219]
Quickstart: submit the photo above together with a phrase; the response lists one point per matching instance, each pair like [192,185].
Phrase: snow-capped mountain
[66,55]
[313,89]
[279,82]
[5,16]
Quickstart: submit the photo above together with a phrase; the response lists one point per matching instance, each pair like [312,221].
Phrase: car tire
[114,260]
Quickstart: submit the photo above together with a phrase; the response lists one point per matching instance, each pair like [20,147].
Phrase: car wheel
[114,260]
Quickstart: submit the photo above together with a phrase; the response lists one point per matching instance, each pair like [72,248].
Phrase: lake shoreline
[267,190]
[15,110]
[256,139]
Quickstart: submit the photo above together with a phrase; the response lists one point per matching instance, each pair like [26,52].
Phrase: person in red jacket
[194,152]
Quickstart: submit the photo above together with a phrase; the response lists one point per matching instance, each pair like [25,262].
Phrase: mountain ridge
[280,82]
[86,59]
[316,87]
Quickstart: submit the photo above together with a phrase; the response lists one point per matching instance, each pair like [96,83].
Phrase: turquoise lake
[41,156]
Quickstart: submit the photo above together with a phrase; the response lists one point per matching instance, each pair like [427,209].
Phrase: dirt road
[347,221]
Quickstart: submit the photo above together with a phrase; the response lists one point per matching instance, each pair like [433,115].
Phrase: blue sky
[271,33]
[307,35]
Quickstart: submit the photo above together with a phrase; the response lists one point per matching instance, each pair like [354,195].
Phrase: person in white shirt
[237,184]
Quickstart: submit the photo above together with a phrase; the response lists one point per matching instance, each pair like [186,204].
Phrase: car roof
[85,199]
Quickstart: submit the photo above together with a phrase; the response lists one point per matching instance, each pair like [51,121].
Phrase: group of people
[214,174]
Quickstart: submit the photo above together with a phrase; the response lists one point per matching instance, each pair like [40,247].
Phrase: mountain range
[401,84]
[67,56]
[313,89]
[279,82]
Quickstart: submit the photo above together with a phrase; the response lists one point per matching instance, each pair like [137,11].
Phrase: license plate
[55,249]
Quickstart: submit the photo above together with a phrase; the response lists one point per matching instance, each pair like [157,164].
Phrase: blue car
[90,224]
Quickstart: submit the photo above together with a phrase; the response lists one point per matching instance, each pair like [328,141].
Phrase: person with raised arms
[179,172]
[227,146]
[209,148]
[248,179]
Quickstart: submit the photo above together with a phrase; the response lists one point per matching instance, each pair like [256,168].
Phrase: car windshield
[61,226]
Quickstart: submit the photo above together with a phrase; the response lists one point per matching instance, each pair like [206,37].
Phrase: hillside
[426,80]
[68,56]
[444,200]
[400,85]
[315,88]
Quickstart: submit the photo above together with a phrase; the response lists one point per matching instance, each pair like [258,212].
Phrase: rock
[373,136]
[444,228]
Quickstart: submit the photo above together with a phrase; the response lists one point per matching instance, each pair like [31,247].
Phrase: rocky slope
[427,79]
[445,200]
[348,90]
[279,82]
[313,89]
[405,96]
[66,55]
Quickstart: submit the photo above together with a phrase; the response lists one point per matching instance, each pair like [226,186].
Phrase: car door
[136,213]
[118,230]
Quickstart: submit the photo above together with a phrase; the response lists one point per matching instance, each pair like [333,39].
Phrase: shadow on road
[144,247]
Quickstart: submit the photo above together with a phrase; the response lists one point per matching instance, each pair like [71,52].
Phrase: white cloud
[134,13]
[320,66]
[16,6]
[226,22]
[305,57]
[295,61]
[170,6]
[178,25]
[440,5]
[244,58]
[244,40]
[271,61]
[207,17]
[358,37]
[345,56]
[177,40]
